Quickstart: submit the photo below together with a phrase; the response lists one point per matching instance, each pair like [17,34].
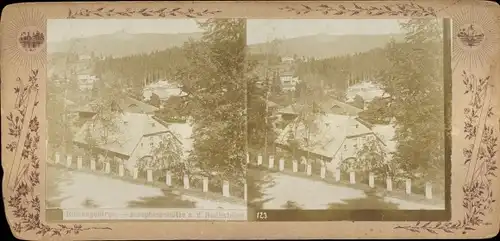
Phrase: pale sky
[63,29]
[258,30]
[263,30]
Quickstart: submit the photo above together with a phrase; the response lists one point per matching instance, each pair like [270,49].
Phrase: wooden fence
[170,179]
[320,170]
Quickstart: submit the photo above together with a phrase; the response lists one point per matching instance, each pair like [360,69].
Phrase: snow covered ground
[69,189]
[308,194]
[311,194]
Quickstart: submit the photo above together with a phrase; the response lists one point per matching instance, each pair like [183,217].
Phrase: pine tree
[415,84]
[215,84]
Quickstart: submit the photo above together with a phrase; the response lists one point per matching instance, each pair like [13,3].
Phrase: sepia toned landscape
[146,114]
[222,114]
[351,115]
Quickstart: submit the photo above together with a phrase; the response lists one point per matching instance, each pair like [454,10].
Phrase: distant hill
[325,46]
[121,43]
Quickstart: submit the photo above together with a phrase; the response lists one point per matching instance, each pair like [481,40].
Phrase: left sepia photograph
[146,120]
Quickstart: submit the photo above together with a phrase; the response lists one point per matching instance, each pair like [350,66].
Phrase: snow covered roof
[185,132]
[367,90]
[326,135]
[386,133]
[331,106]
[164,89]
[127,104]
[130,128]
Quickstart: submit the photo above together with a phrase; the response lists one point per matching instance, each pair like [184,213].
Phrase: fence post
[389,183]
[92,164]
[136,172]
[428,190]
[149,175]
[309,169]
[68,160]
[323,169]
[295,166]
[271,162]
[248,158]
[225,189]
[282,164]
[205,184]
[168,178]
[79,162]
[107,167]
[58,157]
[371,180]
[186,181]
[121,170]
[352,177]
[337,174]
[259,160]
[408,186]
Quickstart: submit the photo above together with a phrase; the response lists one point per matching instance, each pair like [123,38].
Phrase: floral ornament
[24,38]
[402,9]
[476,35]
[479,160]
[24,92]
[24,202]
[143,12]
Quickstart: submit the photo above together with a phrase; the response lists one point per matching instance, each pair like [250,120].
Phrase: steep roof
[329,106]
[128,131]
[185,132]
[127,104]
[326,135]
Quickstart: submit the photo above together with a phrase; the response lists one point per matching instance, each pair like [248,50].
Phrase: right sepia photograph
[349,119]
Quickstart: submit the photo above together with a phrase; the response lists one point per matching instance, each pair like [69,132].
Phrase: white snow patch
[308,194]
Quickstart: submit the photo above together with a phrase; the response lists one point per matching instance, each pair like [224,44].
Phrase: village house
[84,57]
[86,81]
[366,90]
[132,139]
[164,89]
[329,106]
[125,104]
[288,80]
[331,138]
[287,60]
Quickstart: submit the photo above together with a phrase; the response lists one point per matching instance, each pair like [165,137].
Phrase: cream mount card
[250,120]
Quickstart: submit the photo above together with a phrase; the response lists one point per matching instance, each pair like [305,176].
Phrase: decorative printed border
[403,9]
[478,195]
[142,12]
[25,202]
